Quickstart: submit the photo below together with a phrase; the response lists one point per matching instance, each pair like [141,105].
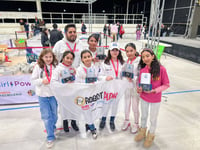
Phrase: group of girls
[111,68]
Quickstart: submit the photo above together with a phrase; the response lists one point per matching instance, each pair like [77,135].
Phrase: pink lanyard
[85,70]
[66,65]
[45,70]
[131,60]
[116,70]
[71,48]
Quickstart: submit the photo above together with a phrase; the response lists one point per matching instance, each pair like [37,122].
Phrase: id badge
[128,71]
[65,76]
[90,73]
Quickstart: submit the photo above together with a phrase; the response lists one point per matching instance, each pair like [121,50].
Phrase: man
[69,43]
[55,35]
[26,27]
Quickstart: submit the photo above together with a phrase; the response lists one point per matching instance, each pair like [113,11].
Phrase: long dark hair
[155,64]
[96,36]
[41,63]
[65,54]
[119,57]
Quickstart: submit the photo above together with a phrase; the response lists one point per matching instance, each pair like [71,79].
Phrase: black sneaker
[87,127]
[102,124]
[65,125]
[112,125]
[94,134]
[74,126]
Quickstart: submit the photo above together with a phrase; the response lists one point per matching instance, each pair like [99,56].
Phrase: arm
[164,81]
[35,79]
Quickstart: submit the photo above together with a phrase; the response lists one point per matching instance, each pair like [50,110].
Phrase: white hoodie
[108,70]
[37,77]
[61,46]
[135,71]
[57,73]
[81,73]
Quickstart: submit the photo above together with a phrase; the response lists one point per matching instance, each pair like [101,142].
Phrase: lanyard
[131,60]
[66,65]
[71,48]
[47,75]
[85,70]
[116,70]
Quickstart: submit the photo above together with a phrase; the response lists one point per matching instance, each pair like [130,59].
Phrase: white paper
[145,78]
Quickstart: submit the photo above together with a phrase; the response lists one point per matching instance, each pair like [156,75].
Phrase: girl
[131,97]
[152,98]
[112,68]
[41,78]
[86,58]
[65,73]
[92,42]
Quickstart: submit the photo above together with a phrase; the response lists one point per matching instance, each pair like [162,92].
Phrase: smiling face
[114,53]
[92,43]
[48,58]
[87,59]
[130,52]
[68,59]
[71,34]
[147,58]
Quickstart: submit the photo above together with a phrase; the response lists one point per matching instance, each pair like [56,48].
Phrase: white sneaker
[125,125]
[94,134]
[134,128]
[50,144]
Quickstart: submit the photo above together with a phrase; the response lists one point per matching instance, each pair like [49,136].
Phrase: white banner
[16,89]
[82,101]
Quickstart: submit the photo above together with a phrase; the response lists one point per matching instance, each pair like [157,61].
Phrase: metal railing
[97,18]
[63,18]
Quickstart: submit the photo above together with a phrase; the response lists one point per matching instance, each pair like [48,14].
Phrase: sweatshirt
[37,77]
[61,46]
[160,84]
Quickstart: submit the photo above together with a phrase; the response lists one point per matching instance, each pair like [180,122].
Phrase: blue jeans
[48,109]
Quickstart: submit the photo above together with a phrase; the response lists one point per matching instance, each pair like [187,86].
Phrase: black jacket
[44,40]
[55,36]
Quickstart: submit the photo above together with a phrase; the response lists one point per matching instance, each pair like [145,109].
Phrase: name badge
[90,76]
[145,81]
[128,71]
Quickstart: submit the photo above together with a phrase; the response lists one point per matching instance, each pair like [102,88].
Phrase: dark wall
[181,14]
[186,52]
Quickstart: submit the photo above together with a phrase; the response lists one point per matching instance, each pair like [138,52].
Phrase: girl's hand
[139,90]
[73,71]
[96,59]
[45,82]
[129,79]
[152,91]
[108,78]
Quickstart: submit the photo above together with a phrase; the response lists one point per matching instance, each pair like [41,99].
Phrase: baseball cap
[114,45]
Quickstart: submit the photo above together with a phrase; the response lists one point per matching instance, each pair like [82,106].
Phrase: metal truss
[157,7]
